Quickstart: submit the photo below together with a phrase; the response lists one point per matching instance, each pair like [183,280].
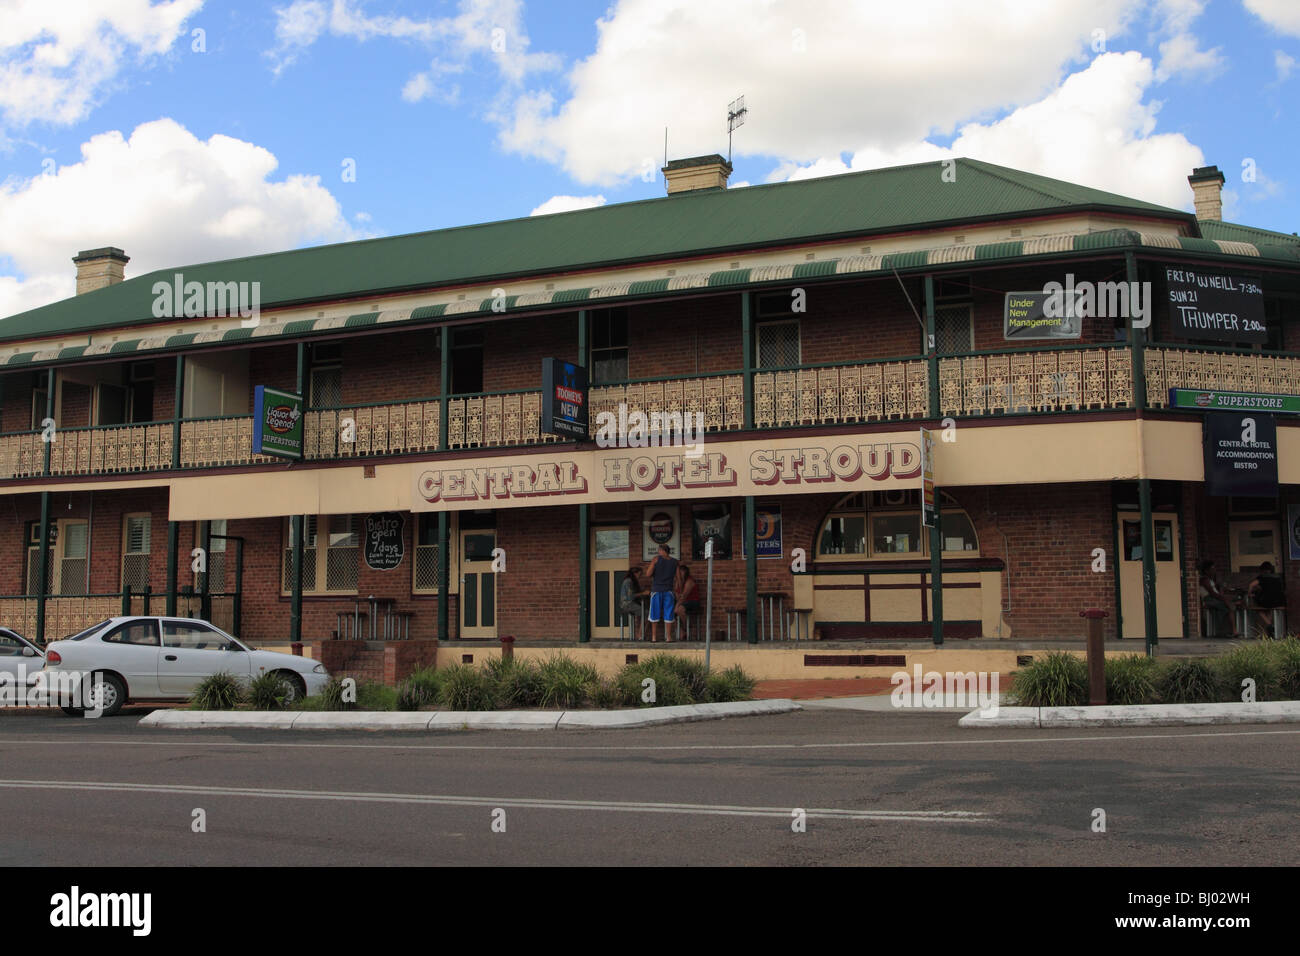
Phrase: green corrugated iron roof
[1233,232]
[685,224]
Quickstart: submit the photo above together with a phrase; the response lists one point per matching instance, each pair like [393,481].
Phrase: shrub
[412,695]
[1255,661]
[1131,679]
[518,682]
[463,687]
[372,695]
[218,692]
[1188,680]
[429,680]
[1057,679]
[606,695]
[669,688]
[330,697]
[268,691]
[565,682]
[690,670]
[731,684]
[1286,655]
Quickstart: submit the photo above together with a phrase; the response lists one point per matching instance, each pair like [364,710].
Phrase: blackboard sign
[1227,307]
[564,398]
[385,544]
[1241,454]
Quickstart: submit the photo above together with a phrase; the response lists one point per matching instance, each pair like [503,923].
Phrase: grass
[731,684]
[268,691]
[1131,679]
[218,692]
[1187,680]
[1287,655]
[566,683]
[518,682]
[1057,679]
[1248,662]
[464,687]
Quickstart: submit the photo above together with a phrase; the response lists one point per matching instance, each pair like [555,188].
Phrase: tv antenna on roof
[735,118]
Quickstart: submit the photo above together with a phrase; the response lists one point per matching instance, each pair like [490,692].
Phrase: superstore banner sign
[724,469]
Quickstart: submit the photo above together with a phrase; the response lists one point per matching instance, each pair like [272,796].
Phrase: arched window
[886,525]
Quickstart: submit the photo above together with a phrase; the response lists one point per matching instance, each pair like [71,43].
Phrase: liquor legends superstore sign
[724,469]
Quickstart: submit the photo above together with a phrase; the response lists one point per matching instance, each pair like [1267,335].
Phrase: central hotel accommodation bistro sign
[720,470]
[1241,454]
[277,423]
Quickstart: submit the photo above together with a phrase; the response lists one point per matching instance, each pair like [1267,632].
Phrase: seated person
[688,595]
[629,598]
[1266,593]
[1214,600]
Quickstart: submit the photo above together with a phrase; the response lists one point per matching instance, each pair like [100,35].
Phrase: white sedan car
[19,656]
[165,658]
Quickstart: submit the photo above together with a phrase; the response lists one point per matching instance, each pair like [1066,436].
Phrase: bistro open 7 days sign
[723,469]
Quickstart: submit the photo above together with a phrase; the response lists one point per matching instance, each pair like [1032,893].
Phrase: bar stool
[736,614]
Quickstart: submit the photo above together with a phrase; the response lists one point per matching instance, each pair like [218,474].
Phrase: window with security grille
[135,552]
[343,554]
[216,583]
[426,554]
[954,332]
[309,529]
[778,344]
[73,558]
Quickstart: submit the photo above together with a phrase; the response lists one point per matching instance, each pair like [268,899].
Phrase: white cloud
[567,203]
[1095,130]
[1182,53]
[480,28]
[1284,63]
[58,57]
[817,75]
[164,196]
[1281,15]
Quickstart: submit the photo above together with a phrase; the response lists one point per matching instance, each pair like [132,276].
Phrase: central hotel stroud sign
[720,470]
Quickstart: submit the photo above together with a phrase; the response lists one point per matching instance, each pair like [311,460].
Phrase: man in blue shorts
[663,579]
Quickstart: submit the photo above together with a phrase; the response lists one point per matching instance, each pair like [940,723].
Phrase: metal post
[1148,565]
[43,562]
[936,573]
[295,583]
[237,618]
[1137,335]
[178,408]
[584,574]
[444,383]
[173,545]
[747,344]
[932,346]
[708,606]
[751,572]
[49,415]
[444,589]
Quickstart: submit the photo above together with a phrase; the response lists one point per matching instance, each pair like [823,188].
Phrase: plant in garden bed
[268,691]
[1286,654]
[1057,679]
[1187,680]
[669,688]
[731,684]
[566,683]
[464,687]
[518,683]
[218,692]
[1248,661]
[1131,679]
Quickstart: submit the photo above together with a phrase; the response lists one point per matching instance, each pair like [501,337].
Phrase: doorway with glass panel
[609,563]
[478,599]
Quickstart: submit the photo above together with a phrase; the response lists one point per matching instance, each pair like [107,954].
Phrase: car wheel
[113,693]
[295,687]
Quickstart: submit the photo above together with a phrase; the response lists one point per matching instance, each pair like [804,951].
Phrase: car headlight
[319,669]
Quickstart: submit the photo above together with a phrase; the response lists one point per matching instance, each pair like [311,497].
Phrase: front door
[609,564]
[478,594]
[1169,563]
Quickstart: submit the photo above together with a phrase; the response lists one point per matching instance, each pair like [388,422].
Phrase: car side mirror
[28,652]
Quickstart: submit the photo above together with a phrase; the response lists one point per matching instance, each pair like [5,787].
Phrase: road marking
[529,803]
[242,744]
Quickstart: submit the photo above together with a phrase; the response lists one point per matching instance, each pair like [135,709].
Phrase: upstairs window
[135,551]
[609,352]
[325,385]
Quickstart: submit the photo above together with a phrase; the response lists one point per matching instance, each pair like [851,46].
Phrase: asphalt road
[878,789]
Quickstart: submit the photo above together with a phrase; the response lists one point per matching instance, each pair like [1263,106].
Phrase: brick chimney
[1207,189]
[97,268]
[698,172]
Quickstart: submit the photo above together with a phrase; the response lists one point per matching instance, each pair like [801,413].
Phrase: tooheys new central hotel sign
[720,470]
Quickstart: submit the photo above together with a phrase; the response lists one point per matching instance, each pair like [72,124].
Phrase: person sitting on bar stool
[1215,601]
[629,599]
[1266,593]
[688,597]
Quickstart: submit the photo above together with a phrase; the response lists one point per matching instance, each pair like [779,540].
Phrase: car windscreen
[88,631]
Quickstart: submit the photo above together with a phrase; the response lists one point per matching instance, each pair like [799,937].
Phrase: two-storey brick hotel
[815,326]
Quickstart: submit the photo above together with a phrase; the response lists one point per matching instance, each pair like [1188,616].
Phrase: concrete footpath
[460,719]
[1137,715]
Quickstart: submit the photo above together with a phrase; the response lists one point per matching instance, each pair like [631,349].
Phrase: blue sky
[120,125]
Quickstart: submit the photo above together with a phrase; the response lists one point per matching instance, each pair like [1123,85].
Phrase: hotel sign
[1211,400]
[721,470]
[564,399]
[277,423]
[1240,454]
